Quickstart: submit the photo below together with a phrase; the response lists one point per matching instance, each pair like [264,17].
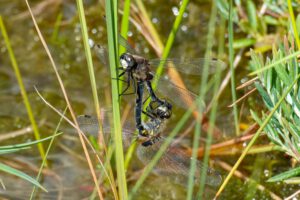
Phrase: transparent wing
[189,66]
[178,95]
[89,125]
[167,88]
[174,161]
[101,53]
[126,45]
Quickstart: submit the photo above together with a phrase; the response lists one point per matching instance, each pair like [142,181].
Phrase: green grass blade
[123,32]
[22,88]
[124,24]
[202,92]
[293,21]
[264,124]
[232,71]
[111,20]
[93,81]
[10,170]
[212,117]
[88,56]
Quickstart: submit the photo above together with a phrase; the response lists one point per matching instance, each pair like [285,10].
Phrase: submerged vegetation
[225,125]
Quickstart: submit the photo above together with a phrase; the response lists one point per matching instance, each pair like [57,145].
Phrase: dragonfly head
[127,61]
[161,109]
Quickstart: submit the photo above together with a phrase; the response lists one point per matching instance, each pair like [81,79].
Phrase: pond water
[68,176]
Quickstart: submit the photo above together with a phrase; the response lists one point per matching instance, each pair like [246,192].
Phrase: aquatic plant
[283,128]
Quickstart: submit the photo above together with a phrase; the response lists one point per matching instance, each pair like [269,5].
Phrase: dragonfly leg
[134,85]
[148,114]
[127,86]
[120,75]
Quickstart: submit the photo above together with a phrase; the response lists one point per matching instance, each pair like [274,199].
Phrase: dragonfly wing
[123,42]
[175,162]
[101,53]
[180,96]
[189,66]
[89,125]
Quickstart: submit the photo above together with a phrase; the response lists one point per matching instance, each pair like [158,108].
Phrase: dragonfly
[174,161]
[139,71]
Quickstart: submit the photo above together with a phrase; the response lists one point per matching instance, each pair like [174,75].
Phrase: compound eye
[126,61]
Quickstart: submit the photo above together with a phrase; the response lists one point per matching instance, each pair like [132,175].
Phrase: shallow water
[66,169]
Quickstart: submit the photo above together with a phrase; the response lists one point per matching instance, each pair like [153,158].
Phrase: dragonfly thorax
[127,61]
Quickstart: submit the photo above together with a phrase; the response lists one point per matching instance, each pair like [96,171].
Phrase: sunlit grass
[90,66]
[111,11]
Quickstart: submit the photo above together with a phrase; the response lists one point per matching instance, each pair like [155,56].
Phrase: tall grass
[90,164]
[112,33]
[213,112]
[90,67]
[22,88]
[202,92]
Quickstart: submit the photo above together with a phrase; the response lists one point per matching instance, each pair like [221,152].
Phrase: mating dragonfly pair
[139,75]
[159,110]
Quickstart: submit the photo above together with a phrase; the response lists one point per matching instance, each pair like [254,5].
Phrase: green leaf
[20,174]
[285,175]
[283,75]
[264,95]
